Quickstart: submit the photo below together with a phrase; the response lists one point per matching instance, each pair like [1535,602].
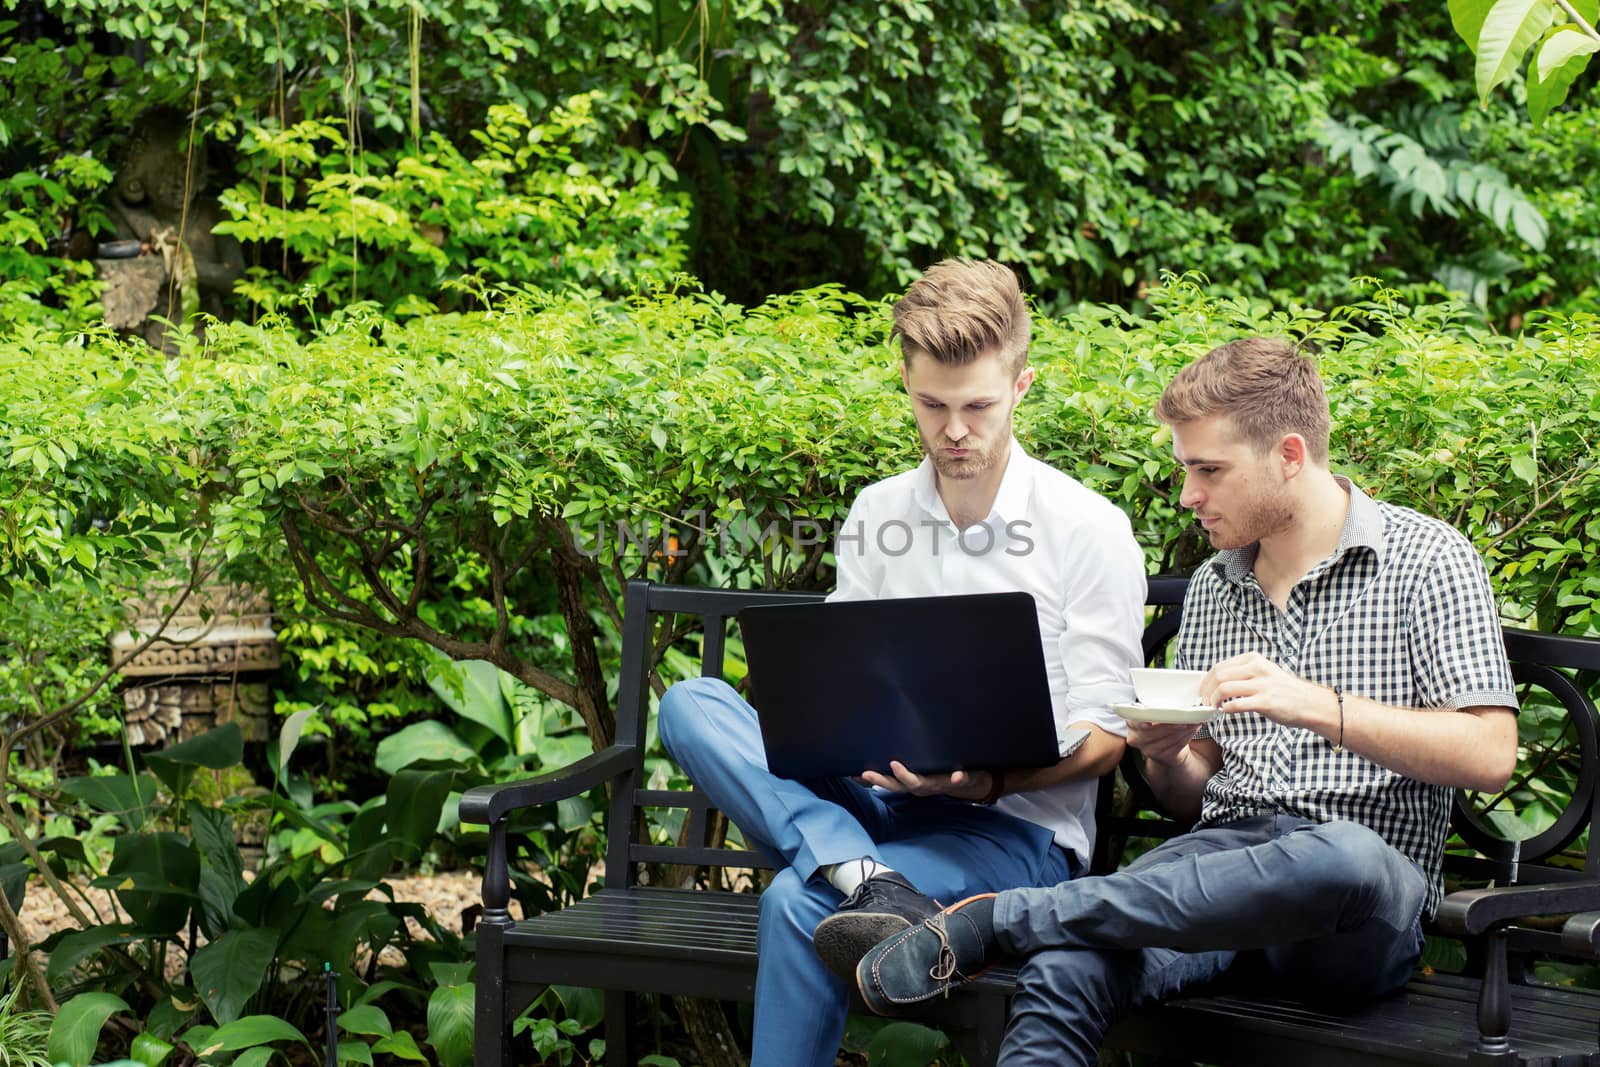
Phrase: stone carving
[164,714]
[147,205]
[206,668]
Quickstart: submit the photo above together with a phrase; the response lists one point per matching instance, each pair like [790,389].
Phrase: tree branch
[1583,24]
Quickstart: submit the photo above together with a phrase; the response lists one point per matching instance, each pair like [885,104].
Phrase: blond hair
[961,309]
[1263,384]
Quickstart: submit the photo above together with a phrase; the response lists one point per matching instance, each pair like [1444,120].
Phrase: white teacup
[1158,687]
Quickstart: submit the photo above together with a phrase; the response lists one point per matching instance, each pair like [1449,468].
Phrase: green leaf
[150,1050]
[367,1019]
[216,749]
[472,689]
[1530,225]
[414,803]
[1509,30]
[230,970]
[587,1006]
[1467,17]
[401,1045]
[213,836]
[289,737]
[77,1026]
[255,1057]
[78,946]
[1550,80]
[129,799]
[421,741]
[903,1044]
[155,877]
[355,1052]
[253,1030]
[1561,46]
[450,1011]
[1524,467]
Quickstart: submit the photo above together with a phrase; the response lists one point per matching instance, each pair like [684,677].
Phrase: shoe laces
[944,964]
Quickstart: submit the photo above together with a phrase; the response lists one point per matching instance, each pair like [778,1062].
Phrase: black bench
[634,937]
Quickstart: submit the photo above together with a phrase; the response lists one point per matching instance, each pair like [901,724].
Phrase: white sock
[847,876]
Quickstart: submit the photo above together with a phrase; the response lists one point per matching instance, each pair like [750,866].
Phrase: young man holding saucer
[1354,651]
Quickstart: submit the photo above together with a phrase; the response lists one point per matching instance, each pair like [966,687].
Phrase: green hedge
[394,470]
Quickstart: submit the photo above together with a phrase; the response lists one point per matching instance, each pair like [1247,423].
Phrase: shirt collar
[1363,528]
[1010,501]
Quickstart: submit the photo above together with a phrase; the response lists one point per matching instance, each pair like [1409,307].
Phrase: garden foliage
[482,484]
[1277,147]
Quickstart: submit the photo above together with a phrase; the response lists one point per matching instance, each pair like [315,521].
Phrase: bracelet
[997,786]
[1338,694]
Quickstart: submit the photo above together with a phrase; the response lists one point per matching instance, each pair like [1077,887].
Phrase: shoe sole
[843,940]
[898,1008]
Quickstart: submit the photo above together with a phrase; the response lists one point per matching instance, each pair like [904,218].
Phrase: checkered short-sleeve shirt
[1401,613]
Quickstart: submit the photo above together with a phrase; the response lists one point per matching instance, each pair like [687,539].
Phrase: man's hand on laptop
[963,785]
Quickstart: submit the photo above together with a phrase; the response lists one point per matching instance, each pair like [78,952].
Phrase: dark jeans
[1325,909]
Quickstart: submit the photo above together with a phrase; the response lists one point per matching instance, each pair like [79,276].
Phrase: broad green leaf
[419,742]
[155,877]
[905,1044]
[216,749]
[256,1057]
[401,1045]
[150,1050]
[1550,82]
[14,883]
[213,836]
[78,946]
[1524,467]
[228,971]
[412,810]
[128,798]
[253,1030]
[355,1052]
[1561,46]
[472,689]
[1467,17]
[77,1026]
[587,1006]
[445,972]
[367,1019]
[450,1011]
[1509,30]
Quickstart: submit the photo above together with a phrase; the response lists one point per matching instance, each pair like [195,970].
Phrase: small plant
[24,1033]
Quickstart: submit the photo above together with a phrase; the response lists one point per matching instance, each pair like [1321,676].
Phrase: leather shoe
[925,961]
[880,907]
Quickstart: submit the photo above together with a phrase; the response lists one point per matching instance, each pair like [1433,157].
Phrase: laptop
[938,683]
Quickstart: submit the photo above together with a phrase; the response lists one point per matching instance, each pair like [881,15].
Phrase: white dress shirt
[1047,535]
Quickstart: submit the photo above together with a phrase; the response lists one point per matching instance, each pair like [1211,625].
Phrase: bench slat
[1433,1021]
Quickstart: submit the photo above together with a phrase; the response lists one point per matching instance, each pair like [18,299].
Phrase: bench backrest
[651,623]
[1556,676]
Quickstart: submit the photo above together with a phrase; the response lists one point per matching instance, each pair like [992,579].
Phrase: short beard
[965,468]
[1266,516]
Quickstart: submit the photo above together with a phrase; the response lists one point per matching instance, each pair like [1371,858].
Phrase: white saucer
[1152,713]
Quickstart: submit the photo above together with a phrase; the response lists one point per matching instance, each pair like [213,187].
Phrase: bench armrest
[488,804]
[1580,934]
[1476,911]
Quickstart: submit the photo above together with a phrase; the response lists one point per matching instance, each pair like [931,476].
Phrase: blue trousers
[1318,909]
[948,849]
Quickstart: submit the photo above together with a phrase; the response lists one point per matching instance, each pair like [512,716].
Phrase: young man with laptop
[861,858]
[1353,653]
